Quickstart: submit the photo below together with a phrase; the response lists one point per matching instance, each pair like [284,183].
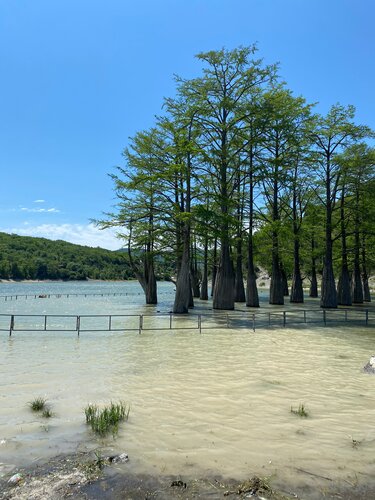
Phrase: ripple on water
[216,402]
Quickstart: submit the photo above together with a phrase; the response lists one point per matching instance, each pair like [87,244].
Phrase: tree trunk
[204,284]
[224,282]
[252,297]
[296,293]
[146,276]
[285,280]
[344,296]
[357,280]
[150,288]
[329,295]
[194,282]
[239,288]
[366,288]
[344,292]
[182,299]
[277,283]
[214,267]
[314,281]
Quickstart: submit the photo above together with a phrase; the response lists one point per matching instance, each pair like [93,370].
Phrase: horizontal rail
[169,321]
[68,295]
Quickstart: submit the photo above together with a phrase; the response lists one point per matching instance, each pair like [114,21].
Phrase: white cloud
[80,234]
[39,201]
[40,210]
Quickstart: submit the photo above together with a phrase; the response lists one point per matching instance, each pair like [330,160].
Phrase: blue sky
[78,77]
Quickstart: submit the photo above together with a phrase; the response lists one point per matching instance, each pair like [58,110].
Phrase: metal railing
[168,321]
[7,298]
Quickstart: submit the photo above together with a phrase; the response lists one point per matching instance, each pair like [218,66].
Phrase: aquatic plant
[355,442]
[107,419]
[90,412]
[301,411]
[38,404]
[47,412]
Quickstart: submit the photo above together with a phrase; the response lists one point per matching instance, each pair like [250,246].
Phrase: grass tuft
[47,413]
[38,404]
[301,411]
[107,419]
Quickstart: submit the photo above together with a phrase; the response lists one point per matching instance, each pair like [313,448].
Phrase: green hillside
[25,257]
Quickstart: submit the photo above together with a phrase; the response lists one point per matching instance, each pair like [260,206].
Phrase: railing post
[324,317]
[269,319]
[140,323]
[78,324]
[253,322]
[304,316]
[346,315]
[109,323]
[227,320]
[366,317]
[45,322]
[170,321]
[11,326]
[200,323]
[284,318]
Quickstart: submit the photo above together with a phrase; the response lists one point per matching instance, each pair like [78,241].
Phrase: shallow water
[216,402]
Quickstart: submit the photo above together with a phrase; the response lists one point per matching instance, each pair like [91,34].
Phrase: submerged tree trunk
[285,280]
[365,277]
[329,295]
[194,278]
[147,278]
[182,298]
[252,297]
[344,295]
[224,282]
[357,280]
[214,267]
[296,293]
[239,288]
[145,275]
[223,297]
[277,282]
[204,284]
[314,281]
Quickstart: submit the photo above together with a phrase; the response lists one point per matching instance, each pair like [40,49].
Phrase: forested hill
[25,257]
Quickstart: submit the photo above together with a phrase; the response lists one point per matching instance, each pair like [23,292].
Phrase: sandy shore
[85,477]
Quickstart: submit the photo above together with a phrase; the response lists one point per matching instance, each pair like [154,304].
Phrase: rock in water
[370,366]
[15,479]
[119,459]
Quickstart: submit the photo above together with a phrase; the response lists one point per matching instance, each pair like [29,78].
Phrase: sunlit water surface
[216,402]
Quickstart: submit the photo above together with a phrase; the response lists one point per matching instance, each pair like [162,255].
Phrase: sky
[79,77]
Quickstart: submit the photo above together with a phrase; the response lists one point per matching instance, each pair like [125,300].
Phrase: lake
[212,403]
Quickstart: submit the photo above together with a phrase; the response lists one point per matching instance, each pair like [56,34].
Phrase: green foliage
[38,404]
[103,421]
[28,258]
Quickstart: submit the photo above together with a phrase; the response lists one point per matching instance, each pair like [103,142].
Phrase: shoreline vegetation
[88,476]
